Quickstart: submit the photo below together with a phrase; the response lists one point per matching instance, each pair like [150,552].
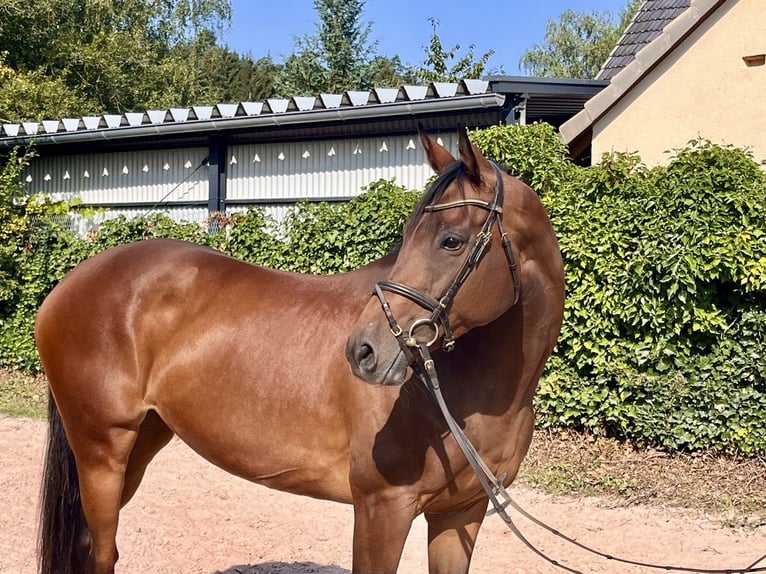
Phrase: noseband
[439,308]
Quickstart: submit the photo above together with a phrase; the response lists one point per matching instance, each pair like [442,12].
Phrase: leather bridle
[440,307]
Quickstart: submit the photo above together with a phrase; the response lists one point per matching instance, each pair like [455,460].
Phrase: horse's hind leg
[110,478]
[153,435]
[451,538]
[101,468]
[82,488]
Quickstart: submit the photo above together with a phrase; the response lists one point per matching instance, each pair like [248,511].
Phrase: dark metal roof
[552,100]
[648,24]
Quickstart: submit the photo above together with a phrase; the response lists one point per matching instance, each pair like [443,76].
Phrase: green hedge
[663,333]
[663,328]
[325,238]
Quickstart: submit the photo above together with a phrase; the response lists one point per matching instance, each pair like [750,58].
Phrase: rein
[419,358]
[440,308]
[501,499]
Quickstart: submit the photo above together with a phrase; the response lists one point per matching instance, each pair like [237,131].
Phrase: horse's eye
[452,243]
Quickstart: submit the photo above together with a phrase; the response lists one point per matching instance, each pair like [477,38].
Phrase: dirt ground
[190,517]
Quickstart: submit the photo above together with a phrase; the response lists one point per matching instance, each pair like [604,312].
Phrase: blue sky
[401,27]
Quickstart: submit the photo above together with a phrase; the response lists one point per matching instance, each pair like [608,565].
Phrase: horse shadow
[284,568]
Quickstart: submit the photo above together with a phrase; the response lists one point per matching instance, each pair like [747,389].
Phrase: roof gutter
[286,119]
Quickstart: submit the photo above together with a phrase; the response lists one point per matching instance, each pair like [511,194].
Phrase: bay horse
[259,372]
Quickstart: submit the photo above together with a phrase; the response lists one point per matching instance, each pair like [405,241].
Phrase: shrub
[663,335]
[247,237]
[330,238]
[33,255]
[535,152]
[665,276]
[121,230]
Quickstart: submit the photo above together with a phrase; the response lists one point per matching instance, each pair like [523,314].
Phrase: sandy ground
[190,517]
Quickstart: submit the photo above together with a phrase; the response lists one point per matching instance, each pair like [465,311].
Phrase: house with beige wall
[684,69]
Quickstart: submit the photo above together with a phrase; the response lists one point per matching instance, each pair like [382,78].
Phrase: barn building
[189,162]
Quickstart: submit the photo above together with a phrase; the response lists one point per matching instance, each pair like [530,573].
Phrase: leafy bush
[31,259]
[663,335]
[331,238]
[14,227]
[121,230]
[322,238]
[248,237]
[535,152]
[665,272]
[49,253]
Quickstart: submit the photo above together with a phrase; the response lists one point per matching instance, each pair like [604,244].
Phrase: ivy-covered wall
[665,315]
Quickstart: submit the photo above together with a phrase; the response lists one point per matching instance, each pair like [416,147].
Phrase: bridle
[440,308]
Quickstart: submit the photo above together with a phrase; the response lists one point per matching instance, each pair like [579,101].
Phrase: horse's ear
[438,156]
[470,156]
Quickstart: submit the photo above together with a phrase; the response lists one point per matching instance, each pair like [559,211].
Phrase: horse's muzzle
[374,361]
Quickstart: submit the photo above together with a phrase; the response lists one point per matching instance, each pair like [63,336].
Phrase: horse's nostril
[365,357]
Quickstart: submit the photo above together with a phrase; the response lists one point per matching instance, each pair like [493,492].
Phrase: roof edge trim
[214,125]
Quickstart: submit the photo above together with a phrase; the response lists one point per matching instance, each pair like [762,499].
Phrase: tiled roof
[648,24]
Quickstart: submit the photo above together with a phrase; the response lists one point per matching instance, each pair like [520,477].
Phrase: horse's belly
[279,450]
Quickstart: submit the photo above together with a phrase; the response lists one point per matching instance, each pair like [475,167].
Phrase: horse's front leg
[381,525]
[451,538]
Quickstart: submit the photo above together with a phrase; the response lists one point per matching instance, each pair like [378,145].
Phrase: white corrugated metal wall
[266,174]
[325,169]
[122,178]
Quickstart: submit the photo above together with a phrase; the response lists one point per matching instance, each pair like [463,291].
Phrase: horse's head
[455,271]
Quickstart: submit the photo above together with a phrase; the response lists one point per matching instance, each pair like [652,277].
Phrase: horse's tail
[61,518]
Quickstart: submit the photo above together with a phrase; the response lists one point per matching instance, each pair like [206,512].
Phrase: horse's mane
[452,172]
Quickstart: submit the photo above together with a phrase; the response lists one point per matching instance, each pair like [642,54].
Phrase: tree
[112,55]
[223,75]
[578,44]
[331,60]
[35,96]
[436,67]
[339,56]
[384,71]
[250,80]
[303,74]
[27,32]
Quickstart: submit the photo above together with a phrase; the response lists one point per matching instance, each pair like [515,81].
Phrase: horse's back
[109,286]
[117,269]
